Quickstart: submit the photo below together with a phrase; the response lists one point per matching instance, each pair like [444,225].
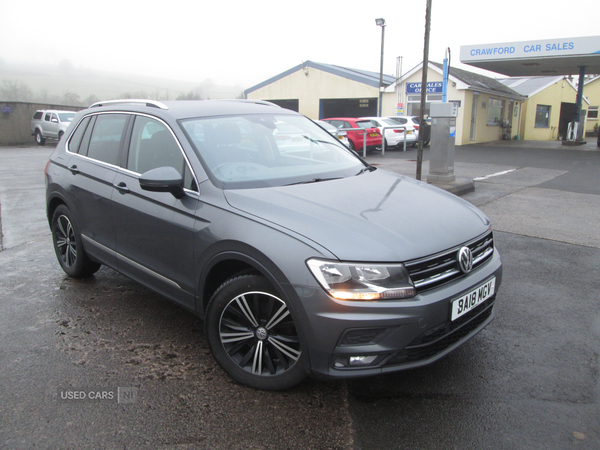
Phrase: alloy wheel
[65,241]
[258,334]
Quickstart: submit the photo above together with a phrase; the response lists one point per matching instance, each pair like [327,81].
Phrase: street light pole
[380,23]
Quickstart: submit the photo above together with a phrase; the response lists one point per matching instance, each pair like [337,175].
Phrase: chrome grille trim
[435,270]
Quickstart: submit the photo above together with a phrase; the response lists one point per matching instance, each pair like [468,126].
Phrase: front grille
[444,336]
[436,270]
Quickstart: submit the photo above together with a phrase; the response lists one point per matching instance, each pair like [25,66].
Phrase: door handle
[74,170]
[122,187]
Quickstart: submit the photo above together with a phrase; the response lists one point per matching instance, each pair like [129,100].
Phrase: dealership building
[536,102]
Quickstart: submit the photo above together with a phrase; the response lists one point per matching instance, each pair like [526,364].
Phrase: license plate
[471,300]
[373,134]
[409,132]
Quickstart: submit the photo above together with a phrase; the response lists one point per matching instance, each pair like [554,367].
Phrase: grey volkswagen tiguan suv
[300,257]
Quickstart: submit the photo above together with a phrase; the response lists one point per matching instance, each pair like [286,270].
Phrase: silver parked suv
[50,124]
[300,257]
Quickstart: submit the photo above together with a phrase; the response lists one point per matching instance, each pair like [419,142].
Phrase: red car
[355,138]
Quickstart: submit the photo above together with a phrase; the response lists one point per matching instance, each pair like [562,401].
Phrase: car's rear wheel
[68,247]
[351,145]
[41,140]
[252,334]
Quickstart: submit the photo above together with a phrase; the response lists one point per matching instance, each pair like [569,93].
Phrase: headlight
[356,281]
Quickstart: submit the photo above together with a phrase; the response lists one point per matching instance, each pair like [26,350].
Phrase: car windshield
[260,150]
[365,124]
[66,117]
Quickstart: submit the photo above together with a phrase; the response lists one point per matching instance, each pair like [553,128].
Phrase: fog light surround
[357,361]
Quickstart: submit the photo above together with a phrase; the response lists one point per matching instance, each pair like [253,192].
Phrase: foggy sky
[246,42]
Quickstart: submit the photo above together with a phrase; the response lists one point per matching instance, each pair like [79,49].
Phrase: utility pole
[424,88]
[380,23]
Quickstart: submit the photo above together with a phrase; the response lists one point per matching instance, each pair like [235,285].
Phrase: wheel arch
[53,202]
[228,259]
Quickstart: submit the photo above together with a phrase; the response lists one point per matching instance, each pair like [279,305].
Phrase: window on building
[414,104]
[495,111]
[542,116]
[593,112]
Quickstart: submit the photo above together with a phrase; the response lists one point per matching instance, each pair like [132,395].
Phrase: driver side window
[152,146]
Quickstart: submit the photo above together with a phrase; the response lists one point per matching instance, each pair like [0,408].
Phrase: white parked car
[395,137]
[415,122]
[342,136]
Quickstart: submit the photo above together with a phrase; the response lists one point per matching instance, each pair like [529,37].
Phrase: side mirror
[54,120]
[163,179]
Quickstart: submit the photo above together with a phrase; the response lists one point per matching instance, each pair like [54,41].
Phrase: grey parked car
[300,257]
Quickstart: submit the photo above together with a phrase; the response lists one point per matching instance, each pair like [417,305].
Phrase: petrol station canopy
[536,58]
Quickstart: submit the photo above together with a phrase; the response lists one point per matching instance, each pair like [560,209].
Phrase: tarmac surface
[530,380]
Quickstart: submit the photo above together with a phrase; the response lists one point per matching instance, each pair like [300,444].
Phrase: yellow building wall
[592,92]
[553,96]
[483,131]
[309,89]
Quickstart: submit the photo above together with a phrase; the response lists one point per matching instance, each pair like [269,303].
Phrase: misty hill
[64,84]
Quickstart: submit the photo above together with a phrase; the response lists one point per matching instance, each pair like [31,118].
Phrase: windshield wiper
[314,180]
[366,169]
[317,141]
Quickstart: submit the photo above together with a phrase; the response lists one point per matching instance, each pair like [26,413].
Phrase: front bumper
[357,339]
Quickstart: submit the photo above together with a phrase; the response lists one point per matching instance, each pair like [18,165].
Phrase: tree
[192,95]
[90,100]
[15,91]
[71,99]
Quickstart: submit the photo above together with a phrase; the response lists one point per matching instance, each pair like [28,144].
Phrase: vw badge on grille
[465,259]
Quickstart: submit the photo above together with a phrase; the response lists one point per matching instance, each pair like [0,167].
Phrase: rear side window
[106,138]
[47,117]
[38,115]
[75,141]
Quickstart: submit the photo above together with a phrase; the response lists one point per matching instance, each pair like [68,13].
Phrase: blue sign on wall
[6,109]
[433,87]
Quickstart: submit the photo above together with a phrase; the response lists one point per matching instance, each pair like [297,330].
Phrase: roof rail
[151,103]
[257,102]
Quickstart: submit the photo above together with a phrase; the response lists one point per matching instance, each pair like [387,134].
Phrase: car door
[92,159]
[47,125]
[155,230]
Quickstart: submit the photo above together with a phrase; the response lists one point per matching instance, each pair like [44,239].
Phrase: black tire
[60,135]
[41,140]
[252,335]
[68,247]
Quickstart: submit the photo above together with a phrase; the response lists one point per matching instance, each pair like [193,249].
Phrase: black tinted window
[75,141]
[38,115]
[106,138]
[152,146]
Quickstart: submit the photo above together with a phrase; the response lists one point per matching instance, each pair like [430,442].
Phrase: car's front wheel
[252,334]
[68,247]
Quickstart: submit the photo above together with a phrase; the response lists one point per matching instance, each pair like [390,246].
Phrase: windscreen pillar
[443,135]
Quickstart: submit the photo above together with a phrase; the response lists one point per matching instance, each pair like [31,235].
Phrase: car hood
[376,216]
